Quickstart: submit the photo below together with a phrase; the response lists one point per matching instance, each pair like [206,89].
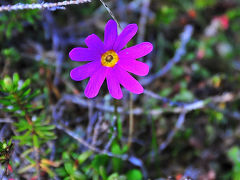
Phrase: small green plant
[234,155]
[5,151]
[32,129]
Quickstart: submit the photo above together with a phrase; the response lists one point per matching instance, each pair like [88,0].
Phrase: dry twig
[110,13]
[170,136]
[50,6]
[199,104]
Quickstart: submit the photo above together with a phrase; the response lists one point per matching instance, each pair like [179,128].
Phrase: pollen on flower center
[109,58]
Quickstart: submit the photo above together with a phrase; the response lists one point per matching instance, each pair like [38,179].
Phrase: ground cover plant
[120,89]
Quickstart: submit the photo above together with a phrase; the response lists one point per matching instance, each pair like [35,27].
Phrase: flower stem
[131,121]
[117,119]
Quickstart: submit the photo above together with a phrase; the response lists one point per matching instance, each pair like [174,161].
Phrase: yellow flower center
[109,58]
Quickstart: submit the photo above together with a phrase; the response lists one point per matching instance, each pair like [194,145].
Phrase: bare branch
[51,6]
[170,136]
[199,104]
[181,106]
[163,99]
[96,130]
[6,120]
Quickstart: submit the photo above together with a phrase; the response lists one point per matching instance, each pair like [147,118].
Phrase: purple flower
[110,62]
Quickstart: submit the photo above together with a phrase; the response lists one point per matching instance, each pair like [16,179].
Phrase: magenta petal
[133,66]
[95,82]
[84,71]
[95,43]
[83,54]
[128,81]
[114,85]
[110,34]
[136,51]
[125,36]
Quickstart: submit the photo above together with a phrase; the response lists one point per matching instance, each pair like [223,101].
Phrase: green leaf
[22,126]
[36,93]
[25,139]
[84,156]
[119,127]
[204,3]
[177,71]
[116,148]
[61,172]
[15,81]
[28,151]
[99,160]
[48,133]
[69,168]
[44,128]
[166,14]
[184,95]
[5,102]
[32,161]
[102,172]
[113,176]
[234,154]
[35,141]
[7,84]
[25,84]
[9,142]
[117,163]
[1,146]
[236,175]
[79,175]
[65,156]
[26,168]
[4,145]
[25,93]
[134,174]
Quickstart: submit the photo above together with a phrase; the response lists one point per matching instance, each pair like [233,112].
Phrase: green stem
[131,121]
[119,123]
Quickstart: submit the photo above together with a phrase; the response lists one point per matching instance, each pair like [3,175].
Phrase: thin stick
[96,130]
[110,12]
[171,135]
[190,106]
[89,146]
[6,120]
[51,6]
